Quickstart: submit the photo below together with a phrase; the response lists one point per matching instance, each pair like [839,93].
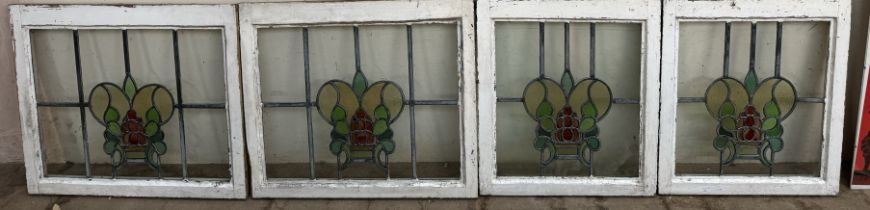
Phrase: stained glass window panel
[121,90]
[574,118]
[752,98]
[363,108]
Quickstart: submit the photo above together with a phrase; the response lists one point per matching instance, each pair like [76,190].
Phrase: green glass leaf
[111,143]
[727,109]
[776,144]
[388,134]
[751,82]
[593,132]
[541,142]
[725,132]
[728,123]
[769,123]
[335,147]
[153,115]
[360,83]
[720,142]
[157,137]
[151,128]
[159,147]
[111,115]
[567,81]
[593,143]
[771,109]
[341,127]
[129,87]
[547,124]
[109,147]
[380,127]
[152,159]
[545,109]
[338,114]
[775,132]
[388,145]
[114,128]
[587,124]
[589,110]
[381,112]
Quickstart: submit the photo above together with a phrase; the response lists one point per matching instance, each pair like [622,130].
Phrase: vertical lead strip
[356,48]
[126,53]
[410,32]
[591,51]
[181,135]
[308,103]
[727,60]
[541,49]
[778,64]
[87,154]
[567,46]
[752,43]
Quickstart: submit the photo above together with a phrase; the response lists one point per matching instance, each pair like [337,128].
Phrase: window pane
[362,112]
[772,120]
[570,116]
[130,107]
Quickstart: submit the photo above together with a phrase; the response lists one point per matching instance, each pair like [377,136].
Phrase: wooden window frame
[837,13]
[645,12]
[27,17]
[254,15]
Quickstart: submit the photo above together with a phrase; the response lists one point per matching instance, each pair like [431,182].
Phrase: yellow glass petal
[716,95]
[601,97]
[335,93]
[739,96]
[781,90]
[164,103]
[555,95]
[142,100]
[384,93]
[591,90]
[371,98]
[105,95]
[533,95]
[394,100]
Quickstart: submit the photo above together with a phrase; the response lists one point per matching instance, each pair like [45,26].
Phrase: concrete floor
[13,196]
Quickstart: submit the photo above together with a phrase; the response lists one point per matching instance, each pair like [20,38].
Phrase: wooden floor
[13,196]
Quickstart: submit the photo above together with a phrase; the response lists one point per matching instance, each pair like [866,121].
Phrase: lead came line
[727,60]
[305,53]
[181,133]
[591,51]
[541,49]
[78,60]
[410,39]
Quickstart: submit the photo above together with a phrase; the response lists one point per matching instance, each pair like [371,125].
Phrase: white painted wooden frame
[223,17]
[837,12]
[257,15]
[859,118]
[645,12]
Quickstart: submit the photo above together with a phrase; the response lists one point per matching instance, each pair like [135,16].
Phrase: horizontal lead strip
[76,104]
[614,100]
[799,100]
[415,102]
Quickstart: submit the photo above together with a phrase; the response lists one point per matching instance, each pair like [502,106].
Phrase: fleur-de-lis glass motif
[133,117]
[749,112]
[361,114]
[567,113]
